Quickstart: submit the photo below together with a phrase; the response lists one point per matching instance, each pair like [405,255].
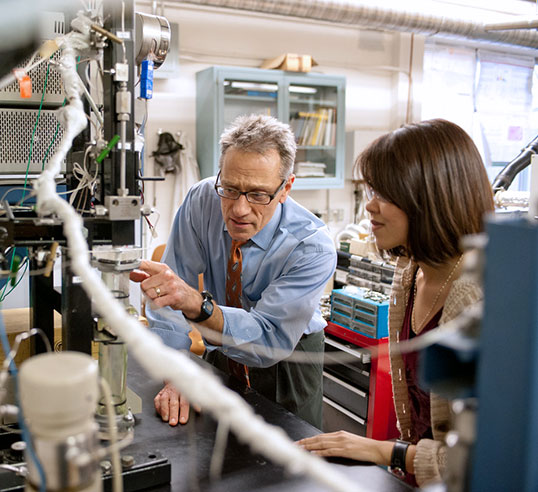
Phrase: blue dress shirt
[286,266]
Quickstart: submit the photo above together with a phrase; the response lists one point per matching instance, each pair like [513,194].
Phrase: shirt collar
[264,237]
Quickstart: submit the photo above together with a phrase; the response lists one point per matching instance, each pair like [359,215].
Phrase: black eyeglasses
[255,197]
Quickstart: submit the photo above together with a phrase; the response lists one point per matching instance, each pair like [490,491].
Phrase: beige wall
[375,65]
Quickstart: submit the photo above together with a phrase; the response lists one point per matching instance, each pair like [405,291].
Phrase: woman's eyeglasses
[371,194]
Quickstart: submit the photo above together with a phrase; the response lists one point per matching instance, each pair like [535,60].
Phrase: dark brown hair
[432,171]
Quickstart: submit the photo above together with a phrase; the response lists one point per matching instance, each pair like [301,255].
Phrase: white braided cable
[160,361]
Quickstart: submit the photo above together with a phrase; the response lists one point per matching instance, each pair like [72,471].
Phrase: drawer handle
[357,391]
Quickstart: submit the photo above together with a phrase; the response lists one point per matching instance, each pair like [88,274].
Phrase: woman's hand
[347,445]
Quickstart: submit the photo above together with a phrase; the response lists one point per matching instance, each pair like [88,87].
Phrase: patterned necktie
[233,299]
[233,275]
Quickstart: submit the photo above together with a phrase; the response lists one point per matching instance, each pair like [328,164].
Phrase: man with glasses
[286,259]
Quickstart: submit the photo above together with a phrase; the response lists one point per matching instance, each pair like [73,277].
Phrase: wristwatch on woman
[397,458]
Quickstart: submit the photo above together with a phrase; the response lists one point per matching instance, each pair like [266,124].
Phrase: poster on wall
[449,84]
[504,104]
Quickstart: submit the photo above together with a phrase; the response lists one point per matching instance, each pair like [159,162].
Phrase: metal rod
[92,102]
[123,162]
[517,24]
[106,33]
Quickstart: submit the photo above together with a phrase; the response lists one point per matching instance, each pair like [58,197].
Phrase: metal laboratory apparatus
[115,264]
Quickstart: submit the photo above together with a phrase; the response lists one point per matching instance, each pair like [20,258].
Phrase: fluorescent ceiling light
[254,86]
[269,87]
[303,90]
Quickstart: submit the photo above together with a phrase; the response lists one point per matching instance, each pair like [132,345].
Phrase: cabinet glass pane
[247,97]
[313,117]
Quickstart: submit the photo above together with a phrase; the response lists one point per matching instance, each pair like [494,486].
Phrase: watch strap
[397,459]
[205,313]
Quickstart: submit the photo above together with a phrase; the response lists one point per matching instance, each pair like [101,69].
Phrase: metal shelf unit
[313,105]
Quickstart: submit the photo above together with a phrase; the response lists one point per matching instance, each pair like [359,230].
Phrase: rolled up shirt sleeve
[186,256]
[171,326]
[286,266]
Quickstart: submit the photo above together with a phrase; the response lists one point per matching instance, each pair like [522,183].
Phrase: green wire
[3,297]
[15,269]
[52,141]
[35,128]
[50,145]
[12,267]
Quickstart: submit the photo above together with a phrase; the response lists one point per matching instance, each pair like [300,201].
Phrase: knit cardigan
[430,458]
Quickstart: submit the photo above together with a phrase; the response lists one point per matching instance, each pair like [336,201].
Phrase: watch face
[207,307]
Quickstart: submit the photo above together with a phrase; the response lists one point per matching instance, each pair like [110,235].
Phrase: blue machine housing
[352,310]
[506,451]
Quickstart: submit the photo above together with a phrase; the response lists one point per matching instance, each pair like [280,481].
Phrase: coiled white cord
[160,361]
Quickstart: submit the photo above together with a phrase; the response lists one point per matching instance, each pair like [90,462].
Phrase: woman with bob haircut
[427,187]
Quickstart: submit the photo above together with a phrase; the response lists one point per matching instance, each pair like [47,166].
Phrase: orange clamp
[25,87]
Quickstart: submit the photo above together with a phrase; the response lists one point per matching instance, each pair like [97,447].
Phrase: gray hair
[260,133]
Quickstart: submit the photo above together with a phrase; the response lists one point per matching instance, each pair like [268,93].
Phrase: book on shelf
[314,128]
[316,134]
[261,94]
[309,169]
[322,125]
[330,128]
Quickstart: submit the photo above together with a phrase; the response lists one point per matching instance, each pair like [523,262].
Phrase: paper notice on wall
[505,85]
[505,135]
[504,104]
[449,84]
